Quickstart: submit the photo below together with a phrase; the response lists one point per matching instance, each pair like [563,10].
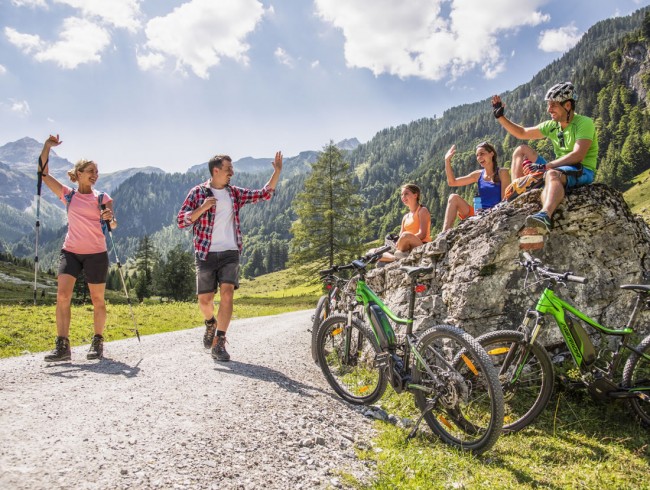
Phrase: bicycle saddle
[637,287]
[418,271]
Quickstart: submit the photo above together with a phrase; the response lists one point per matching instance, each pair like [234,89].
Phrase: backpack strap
[68,198]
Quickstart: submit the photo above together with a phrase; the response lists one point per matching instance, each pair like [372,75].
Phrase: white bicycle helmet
[561,92]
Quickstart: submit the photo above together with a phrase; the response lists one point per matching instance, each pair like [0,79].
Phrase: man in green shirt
[575,144]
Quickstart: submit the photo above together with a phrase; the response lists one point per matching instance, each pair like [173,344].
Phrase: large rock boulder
[478,285]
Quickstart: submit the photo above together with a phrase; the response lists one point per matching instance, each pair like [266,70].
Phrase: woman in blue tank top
[492,183]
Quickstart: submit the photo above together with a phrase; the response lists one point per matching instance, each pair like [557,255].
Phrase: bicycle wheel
[321,313]
[527,381]
[346,354]
[458,389]
[636,377]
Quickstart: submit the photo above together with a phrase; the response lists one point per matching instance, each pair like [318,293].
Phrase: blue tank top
[489,191]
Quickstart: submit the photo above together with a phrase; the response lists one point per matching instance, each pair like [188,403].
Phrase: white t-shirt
[223,233]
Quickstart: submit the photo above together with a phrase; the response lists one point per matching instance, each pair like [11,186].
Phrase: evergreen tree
[175,278]
[145,258]
[329,226]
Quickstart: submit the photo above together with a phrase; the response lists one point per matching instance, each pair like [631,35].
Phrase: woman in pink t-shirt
[84,248]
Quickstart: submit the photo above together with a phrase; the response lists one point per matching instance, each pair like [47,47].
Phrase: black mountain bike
[525,367]
[455,385]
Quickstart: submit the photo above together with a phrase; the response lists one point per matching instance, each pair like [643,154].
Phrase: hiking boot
[61,350]
[208,336]
[540,220]
[219,350]
[96,350]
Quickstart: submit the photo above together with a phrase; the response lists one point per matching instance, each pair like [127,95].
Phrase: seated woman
[492,183]
[416,224]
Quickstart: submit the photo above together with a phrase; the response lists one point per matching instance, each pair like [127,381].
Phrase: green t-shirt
[580,128]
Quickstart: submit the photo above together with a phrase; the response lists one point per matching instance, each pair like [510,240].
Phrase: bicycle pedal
[382,360]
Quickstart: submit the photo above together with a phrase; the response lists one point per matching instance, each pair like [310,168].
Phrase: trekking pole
[119,269]
[39,183]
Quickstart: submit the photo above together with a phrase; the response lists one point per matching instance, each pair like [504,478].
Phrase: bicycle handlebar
[360,263]
[533,264]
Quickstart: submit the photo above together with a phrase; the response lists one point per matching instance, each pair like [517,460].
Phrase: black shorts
[217,268]
[94,265]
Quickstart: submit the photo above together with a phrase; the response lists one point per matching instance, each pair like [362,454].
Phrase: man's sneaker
[96,348]
[208,336]
[219,350]
[540,220]
[61,350]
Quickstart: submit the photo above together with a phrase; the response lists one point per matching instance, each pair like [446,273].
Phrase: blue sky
[168,83]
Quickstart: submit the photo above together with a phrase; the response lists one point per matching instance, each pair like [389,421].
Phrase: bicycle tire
[320,314]
[351,372]
[526,397]
[636,375]
[464,407]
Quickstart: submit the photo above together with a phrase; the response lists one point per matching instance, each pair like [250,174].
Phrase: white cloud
[20,107]
[28,43]
[29,3]
[201,32]
[3,70]
[80,41]
[315,64]
[150,61]
[119,13]
[415,39]
[284,57]
[559,40]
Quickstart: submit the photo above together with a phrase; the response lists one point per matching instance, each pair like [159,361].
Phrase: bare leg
[407,242]
[521,153]
[455,205]
[206,305]
[553,193]
[224,315]
[99,306]
[65,286]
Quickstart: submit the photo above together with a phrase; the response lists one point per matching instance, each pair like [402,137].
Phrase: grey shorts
[217,268]
[94,265]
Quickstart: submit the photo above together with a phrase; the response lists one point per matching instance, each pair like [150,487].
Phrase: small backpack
[533,180]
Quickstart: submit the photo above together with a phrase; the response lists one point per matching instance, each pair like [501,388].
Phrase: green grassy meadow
[27,328]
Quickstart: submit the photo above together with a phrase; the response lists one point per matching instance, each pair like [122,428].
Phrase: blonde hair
[80,166]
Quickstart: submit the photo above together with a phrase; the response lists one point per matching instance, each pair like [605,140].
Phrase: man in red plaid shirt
[212,208]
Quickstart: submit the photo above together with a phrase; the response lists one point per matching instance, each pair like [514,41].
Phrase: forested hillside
[610,67]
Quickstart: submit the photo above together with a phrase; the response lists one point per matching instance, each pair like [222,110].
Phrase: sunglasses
[560,137]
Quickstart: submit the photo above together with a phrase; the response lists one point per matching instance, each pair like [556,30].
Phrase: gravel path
[164,414]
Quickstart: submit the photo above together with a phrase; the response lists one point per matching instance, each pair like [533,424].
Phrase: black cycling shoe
[96,348]
[61,350]
[208,336]
[219,350]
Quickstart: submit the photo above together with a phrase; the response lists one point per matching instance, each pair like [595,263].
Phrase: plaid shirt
[202,227]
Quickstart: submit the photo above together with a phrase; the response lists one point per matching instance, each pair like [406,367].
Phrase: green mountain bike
[455,385]
[525,368]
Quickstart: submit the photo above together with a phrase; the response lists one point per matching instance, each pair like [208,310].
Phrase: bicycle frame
[549,303]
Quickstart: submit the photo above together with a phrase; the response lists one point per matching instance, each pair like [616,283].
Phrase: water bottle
[477,204]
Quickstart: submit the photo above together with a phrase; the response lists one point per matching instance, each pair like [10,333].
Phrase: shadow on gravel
[105,366]
[266,374]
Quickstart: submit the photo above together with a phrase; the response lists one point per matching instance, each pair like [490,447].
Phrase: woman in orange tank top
[416,224]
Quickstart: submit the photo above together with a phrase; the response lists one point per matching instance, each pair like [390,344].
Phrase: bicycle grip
[580,279]
[108,223]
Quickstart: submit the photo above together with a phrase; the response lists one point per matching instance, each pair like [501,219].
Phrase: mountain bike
[525,368]
[455,386]
[327,305]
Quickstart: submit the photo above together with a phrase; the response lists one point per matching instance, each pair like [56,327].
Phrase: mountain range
[610,66]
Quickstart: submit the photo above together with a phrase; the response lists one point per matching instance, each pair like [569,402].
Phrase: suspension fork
[529,339]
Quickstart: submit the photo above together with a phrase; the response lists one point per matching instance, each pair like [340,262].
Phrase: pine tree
[329,226]
[175,278]
[145,258]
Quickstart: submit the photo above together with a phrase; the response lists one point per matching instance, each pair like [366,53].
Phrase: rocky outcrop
[478,285]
